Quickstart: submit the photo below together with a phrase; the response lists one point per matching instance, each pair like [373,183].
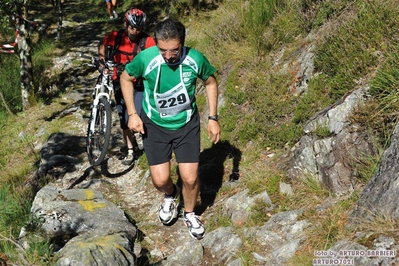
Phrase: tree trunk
[26,70]
[59,28]
[5,104]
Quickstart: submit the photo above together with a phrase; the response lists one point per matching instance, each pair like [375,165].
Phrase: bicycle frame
[103,88]
[100,122]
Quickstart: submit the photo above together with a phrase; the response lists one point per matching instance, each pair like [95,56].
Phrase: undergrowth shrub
[256,20]
[12,209]
[10,82]
[380,114]
[285,26]
[226,27]
[348,53]
[315,98]
[384,88]
[316,12]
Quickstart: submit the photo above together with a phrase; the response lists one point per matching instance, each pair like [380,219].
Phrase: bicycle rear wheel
[98,139]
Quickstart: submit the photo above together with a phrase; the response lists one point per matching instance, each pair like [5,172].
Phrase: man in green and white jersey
[169,121]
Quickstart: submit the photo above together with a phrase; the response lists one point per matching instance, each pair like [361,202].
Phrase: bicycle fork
[94,110]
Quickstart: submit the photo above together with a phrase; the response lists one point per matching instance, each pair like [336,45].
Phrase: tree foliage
[7,8]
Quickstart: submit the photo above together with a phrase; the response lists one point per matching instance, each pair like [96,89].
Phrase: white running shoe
[115,14]
[195,226]
[139,141]
[168,210]
[128,160]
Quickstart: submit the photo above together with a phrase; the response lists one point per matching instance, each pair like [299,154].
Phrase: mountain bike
[100,122]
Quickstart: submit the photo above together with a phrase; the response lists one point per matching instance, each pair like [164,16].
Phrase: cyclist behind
[127,43]
[111,9]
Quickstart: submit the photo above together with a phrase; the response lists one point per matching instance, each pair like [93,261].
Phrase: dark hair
[170,29]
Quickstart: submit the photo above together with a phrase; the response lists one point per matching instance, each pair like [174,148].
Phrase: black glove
[101,65]
[119,69]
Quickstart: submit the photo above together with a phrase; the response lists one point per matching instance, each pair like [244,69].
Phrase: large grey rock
[331,159]
[223,244]
[78,211]
[238,207]
[380,196]
[361,255]
[58,154]
[90,229]
[279,237]
[281,255]
[190,253]
[98,250]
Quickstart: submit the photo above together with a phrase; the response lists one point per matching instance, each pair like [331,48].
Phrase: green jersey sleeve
[136,67]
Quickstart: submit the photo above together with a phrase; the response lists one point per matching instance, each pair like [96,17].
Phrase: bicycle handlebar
[86,56]
[100,64]
[96,61]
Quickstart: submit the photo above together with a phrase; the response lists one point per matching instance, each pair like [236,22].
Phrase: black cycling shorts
[121,106]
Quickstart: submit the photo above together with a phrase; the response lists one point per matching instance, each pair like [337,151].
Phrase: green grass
[9,80]
[218,220]
[12,208]
[259,213]
[349,52]
[384,89]
[14,211]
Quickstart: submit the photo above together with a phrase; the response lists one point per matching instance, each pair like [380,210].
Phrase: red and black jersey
[125,50]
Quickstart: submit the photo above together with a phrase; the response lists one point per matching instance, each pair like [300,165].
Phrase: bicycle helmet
[135,17]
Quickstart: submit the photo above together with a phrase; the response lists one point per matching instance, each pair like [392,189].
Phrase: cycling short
[121,106]
[159,143]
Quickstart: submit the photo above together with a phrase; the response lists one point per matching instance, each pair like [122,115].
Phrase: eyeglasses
[171,52]
[135,28]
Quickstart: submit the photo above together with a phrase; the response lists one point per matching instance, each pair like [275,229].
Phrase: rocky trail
[64,160]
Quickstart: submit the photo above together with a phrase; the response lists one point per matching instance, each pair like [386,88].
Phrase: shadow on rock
[105,170]
[102,169]
[211,170]
[61,154]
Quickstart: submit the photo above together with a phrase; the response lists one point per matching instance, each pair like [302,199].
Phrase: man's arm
[101,50]
[135,122]
[211,86]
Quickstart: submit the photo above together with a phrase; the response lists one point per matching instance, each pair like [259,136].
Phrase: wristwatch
[213,117]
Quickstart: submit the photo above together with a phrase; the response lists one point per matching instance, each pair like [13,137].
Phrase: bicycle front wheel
[98,139]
